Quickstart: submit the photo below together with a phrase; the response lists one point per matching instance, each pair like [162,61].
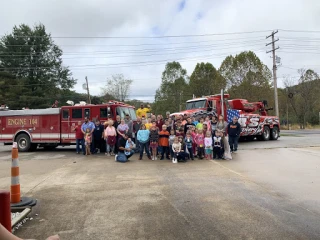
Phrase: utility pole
[276,103]
[89,99]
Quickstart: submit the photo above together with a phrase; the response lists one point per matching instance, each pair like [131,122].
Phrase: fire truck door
[66,124]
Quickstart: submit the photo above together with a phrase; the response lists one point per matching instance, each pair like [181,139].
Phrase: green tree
[11,91]
[173,91]
[206,80]
[246,76]
[31,54]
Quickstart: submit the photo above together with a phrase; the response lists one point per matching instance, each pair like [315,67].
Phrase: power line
[300,31]
[128,64]
[144,37]
[135,45]
[229,45]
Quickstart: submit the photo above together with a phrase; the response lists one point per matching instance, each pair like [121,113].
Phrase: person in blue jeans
[234,130]
[143,136]
[79,137]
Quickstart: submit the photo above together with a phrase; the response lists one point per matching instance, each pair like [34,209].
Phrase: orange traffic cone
[15,175]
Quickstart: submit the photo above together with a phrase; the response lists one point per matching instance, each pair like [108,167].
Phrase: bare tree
[303,94]
[118,86]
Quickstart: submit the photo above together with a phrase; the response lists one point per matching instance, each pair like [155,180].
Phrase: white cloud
[155,18]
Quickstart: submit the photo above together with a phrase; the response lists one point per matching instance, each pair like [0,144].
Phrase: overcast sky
[143,59]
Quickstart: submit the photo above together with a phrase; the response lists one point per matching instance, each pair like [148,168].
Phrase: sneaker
[149,158]
[140,158]
[155,158]
[115,157]
[152,158]
[235,150]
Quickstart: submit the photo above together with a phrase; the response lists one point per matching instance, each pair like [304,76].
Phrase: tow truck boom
[250,107]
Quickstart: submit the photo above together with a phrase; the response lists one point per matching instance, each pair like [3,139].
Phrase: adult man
[85,125]
[234,130]
[79,136]
[159,122]
[142,111]
[97,137]
[129,122]
[188,125]
[117,122]
[167,115]
[136,128]
[55,105]
[122,147]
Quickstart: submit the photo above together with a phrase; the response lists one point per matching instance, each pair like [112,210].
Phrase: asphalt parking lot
[270,190]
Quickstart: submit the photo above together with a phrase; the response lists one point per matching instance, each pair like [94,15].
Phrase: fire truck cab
[49,128]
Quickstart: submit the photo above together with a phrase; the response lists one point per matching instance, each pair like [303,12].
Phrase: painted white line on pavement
[230,170]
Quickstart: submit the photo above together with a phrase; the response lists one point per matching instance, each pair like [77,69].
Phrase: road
[270,190]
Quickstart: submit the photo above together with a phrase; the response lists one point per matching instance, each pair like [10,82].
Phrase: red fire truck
[253,117]
[52,127]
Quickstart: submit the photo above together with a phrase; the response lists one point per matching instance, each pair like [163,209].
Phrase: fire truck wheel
[266,133]
[275,133]
[24,142]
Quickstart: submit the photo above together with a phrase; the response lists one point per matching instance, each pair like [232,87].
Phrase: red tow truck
[253,116]
[51,127]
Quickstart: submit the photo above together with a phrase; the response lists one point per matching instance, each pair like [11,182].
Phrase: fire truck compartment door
[68,119]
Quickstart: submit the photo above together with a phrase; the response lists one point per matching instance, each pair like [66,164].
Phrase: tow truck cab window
[65,113]
[77,113]
[212,104]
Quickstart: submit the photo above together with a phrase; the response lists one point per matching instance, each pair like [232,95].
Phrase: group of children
[181,147]
[196,143]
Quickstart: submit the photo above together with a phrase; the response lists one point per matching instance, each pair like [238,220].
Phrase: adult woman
[110,135]
[213,125]
[122,128]
[143,137]
[221,127]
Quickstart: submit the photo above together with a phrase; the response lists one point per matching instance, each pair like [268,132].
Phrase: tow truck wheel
[275,133]
[266,133]
[23,142]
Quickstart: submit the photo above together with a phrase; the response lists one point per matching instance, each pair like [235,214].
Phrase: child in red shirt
[79,137]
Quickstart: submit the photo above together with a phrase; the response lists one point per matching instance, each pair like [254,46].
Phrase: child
[217,146]
[130,145]
[208,145]
[154,138]
[199,126]
[176,149]
[110,135]
[194,145]
[87,140]
[164,142]
[189,142]
[199,139]
[182,154]
[171,140]
[207,121]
